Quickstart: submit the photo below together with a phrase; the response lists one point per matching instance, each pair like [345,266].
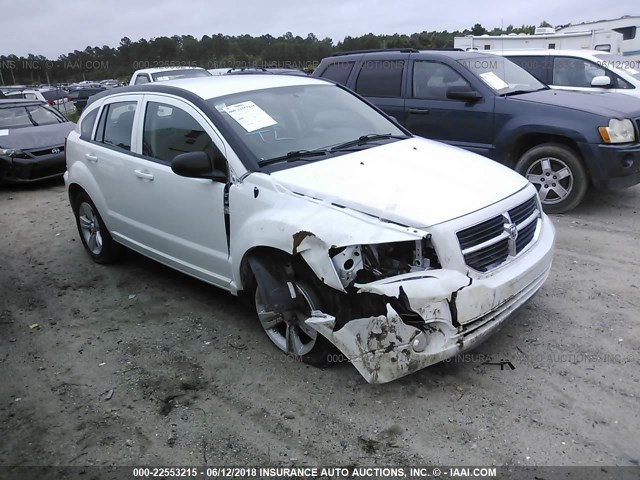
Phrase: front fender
[265,214]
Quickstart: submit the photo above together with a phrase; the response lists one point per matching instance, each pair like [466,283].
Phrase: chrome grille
[492,242]
[45,151]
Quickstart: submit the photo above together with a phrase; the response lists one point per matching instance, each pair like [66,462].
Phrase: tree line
[214,51]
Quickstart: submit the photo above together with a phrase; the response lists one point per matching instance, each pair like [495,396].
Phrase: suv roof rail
[401,50]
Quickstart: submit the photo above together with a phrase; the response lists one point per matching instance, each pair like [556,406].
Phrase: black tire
[558,174]
[322,353]
[94,234]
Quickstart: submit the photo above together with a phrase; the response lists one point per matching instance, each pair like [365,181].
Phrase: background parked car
[32,140]
[587,70]
[57,98]
[81,95]
[148,75]
[560,140]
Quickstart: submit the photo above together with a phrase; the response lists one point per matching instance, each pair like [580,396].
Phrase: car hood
[29,138]
[608,104]
[414,182]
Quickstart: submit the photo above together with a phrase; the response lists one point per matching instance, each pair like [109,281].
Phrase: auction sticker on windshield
[494,81]
[250,116]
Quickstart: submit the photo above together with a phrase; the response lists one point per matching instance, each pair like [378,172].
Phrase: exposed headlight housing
[7,152]
[618,131]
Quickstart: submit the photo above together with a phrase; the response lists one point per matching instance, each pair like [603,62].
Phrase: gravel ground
[134,363]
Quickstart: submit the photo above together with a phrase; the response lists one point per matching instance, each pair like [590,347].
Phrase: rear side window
[338,72]
[380,78]
[170,131]
[538,66]
[628,33]
[116,124]
[431,80]
[86,127]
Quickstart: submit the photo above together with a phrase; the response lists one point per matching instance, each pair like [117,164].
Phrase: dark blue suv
[560,140]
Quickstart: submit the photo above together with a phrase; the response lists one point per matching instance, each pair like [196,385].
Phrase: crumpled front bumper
[459,312]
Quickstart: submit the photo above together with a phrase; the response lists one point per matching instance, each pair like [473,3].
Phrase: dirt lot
[137,364]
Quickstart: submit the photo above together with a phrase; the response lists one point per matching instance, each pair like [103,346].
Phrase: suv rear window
[338,72]
[380,78]
[54,94]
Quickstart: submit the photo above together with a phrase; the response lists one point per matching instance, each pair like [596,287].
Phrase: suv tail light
[51,102]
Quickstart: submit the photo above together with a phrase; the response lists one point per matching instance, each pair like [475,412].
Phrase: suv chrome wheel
[552,177]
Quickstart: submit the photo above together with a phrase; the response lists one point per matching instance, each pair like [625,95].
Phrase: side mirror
[601,81]
[196,165]
[463,93]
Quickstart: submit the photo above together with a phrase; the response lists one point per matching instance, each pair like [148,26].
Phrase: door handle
[144,175]
[91,157]
[419,111]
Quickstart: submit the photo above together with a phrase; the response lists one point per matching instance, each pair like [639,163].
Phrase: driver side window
[431,80]
[170,131]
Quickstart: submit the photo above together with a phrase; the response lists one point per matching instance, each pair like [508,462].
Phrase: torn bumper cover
[459,312]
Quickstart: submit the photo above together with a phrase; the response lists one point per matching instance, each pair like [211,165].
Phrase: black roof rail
[401,50]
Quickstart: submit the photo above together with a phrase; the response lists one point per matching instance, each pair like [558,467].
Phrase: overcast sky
[55,27]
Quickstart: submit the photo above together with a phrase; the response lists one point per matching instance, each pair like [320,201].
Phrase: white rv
[628,26]
[547,38]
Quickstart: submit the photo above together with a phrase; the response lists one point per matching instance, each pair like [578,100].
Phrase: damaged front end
[392,308]
[400,308]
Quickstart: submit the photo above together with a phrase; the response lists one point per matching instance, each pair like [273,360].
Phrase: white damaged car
[343,229]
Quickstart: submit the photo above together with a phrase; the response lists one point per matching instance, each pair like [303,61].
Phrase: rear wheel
[289,332]
[557,173]
[94,234]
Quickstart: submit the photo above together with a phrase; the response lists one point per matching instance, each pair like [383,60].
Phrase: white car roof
[165,69]
[220,85]
[546,51]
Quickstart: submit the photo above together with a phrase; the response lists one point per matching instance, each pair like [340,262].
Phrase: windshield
[177,74]
[28,116]
[502,75]
[620,64]
[275,122]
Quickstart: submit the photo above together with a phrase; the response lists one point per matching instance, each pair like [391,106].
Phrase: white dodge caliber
[343,229]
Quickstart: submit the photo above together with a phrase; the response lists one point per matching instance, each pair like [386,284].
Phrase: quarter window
[432,80]
[142,78]
[116,124]
[170,131]
[380,78]
[338,72]
[86,127]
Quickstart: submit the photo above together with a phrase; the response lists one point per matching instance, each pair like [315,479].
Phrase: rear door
[108,156]
[432,115]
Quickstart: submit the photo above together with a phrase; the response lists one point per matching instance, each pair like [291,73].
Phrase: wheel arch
[527,141]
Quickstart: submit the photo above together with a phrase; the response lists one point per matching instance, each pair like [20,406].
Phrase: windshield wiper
[35,124]
[364,139]
[516,92]
[293,156]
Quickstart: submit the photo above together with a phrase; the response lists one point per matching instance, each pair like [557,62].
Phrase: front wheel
[557,173]
[289,332]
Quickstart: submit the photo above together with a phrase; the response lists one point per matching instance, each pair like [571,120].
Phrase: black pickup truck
[560,140]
